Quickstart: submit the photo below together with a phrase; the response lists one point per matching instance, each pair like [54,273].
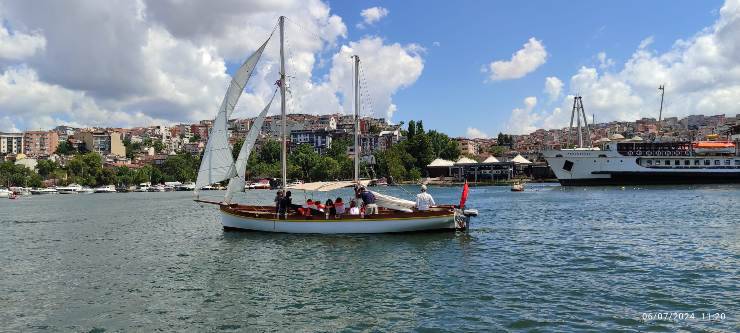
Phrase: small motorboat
[38,191]
[69,189]
[106,189]
[5,193]
[86,190]
[517,187]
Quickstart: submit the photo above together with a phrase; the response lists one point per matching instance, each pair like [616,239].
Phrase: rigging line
[310,31]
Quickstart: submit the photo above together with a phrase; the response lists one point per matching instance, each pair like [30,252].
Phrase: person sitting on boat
[368,201]
[306,209]
[329,209]
[353,209]
[424,200]
[339,207]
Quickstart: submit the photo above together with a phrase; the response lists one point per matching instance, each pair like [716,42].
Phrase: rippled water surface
[548,259]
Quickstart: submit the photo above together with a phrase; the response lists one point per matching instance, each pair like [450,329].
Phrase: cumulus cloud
[372,15]
[701,74]
[18,45]
[522,62]
[475,133]
[158,62]
[522,120]
[553,87]
[386,68]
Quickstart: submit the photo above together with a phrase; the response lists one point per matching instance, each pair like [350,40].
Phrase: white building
[11,143]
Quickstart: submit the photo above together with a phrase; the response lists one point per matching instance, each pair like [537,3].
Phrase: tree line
[405,160]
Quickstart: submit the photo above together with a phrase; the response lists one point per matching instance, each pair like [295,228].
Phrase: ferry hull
[656,178]
[360,226]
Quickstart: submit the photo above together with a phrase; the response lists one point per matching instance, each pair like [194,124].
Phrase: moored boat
[105,189]
[39,191]
[69,189]
[5,193]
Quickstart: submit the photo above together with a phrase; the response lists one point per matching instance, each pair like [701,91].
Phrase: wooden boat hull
[258,219]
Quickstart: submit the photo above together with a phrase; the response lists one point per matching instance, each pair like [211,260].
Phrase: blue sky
[451,95]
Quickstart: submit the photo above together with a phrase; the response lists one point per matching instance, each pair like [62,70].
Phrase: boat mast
[357,117]
[284,155]
[580,132]
[660,114]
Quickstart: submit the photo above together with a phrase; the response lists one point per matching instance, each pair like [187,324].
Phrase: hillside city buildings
[152,145]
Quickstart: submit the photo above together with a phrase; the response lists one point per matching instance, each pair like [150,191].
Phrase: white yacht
[69,189]
[106,189]
[43,191]
[5,193]
[143,187]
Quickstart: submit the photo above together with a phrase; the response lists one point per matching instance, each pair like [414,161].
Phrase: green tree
[158,146]
[270,151]
[46,167]
[65,148]
[326,169]
[443,146]
[411,129]
[305,158]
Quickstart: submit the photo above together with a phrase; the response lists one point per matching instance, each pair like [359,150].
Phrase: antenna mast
[357,117]
[284,155]
[579,113]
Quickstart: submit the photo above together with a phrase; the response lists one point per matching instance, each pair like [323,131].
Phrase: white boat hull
[360,226]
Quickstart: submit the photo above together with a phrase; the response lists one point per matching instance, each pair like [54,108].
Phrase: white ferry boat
[638,163]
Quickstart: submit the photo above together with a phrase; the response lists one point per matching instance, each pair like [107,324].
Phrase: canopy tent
[491,159]
[441,163]
[615,137]
[326,186]
[520,159]
[466,160]
[603,140]
[636,138]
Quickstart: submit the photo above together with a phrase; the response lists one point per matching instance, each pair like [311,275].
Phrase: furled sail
[236,183]
[217,163]
[391,202]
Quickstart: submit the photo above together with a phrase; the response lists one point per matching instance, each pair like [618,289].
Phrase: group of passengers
[336,209]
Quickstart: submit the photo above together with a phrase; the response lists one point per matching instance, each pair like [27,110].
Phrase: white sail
[236,183]
[217,163]
[391,202]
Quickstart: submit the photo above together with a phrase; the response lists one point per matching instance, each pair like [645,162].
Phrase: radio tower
[579,113]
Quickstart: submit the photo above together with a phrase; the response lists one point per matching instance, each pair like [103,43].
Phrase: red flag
[464,196]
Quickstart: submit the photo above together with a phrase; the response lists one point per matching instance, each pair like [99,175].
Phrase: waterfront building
[11,143]
[320,140]
[103,142]
[468,146]
[40,143]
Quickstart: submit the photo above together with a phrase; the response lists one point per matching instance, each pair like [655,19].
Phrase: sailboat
[217,164]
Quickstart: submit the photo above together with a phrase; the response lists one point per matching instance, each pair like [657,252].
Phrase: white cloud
[155,62]
[385,67]
[18,45]
[553,87]
[701,74]
[522,120]
[523,62]
[475,133]
[604,62]
[372,15]
[435,43]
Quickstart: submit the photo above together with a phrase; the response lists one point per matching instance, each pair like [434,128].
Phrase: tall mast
[284,154]
[660,114]
[357,117]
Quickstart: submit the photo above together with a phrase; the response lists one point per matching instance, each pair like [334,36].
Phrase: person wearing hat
[424,200]
[368,200]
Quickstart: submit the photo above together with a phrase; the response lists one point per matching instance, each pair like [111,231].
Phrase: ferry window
[716,162]
[568,165]
[657,162]
[677,162]
[649,162]
[707,162]
[686,162]
[737,162]
[697,162]
[727,162]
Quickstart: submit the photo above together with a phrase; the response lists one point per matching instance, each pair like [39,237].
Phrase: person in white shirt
[424,200]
